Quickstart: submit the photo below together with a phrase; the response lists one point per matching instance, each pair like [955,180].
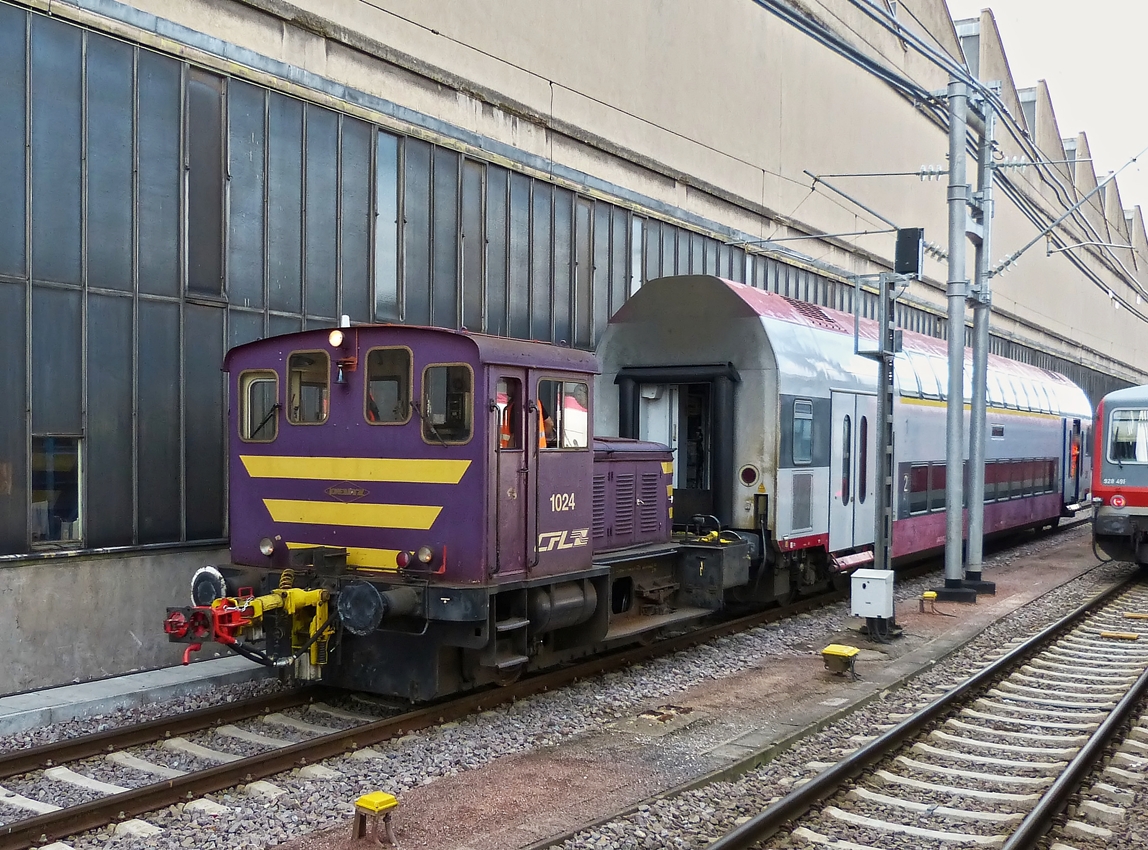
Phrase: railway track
[269,753]
[111,804]
[992,761]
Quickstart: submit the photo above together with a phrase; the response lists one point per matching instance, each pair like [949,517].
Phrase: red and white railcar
[1120,475]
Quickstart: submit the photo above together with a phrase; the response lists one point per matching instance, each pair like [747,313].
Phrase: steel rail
[798,802]
[17,762]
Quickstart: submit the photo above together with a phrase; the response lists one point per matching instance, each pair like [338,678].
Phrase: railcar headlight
[425,554]
[335,338]
[267,546]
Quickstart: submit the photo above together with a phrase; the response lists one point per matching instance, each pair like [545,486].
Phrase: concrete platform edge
[20,712]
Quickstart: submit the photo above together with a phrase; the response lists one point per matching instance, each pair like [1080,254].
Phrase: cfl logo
[550,540]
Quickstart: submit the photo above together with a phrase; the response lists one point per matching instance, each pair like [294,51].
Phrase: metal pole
[957,293]
[886,349]
[982,308]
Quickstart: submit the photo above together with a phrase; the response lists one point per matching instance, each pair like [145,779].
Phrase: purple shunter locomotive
[417,511]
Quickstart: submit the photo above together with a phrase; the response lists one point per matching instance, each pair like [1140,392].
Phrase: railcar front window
[1128,442]
[258,406]
[308,381]
[448,402]
[388,386]
[802,432]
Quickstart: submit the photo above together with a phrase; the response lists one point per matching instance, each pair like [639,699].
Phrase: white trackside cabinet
[872,593]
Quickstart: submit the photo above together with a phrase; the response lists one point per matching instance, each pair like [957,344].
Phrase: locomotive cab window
[308,387]
[258,406]
[448,402]
[388,386]
[1129,436]
[508,407]
[802,432]
[564,414]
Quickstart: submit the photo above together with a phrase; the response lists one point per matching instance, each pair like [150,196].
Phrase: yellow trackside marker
[394,470]
[668,467]
[362,557]
[1120,635]
[360,514]
[1132,615]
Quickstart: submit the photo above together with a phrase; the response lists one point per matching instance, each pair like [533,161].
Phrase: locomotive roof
[491,349]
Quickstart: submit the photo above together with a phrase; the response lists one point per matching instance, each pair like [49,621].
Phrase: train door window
[694,440]
[308,387]
[564,413]
[937,476]
[846,458]
[802,432]
[863,466]
[56,510]
[1129,440]
[918,489]
[388,386]
[448,402]
[508,404]
[258,404]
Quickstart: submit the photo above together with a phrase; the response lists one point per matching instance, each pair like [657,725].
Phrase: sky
[1092,56]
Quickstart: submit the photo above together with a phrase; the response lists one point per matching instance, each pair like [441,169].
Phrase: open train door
[1073,464]
[510,481]
[852,475]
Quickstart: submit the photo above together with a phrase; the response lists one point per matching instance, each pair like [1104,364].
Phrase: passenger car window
[388,386]
[448,403]
[802,432]
[563,414]
[308,383]
[258,404]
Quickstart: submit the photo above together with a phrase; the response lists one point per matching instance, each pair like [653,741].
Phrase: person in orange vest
[1075,455]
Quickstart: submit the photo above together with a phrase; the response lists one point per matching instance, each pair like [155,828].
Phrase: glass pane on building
[542,269]
[56,141]
[12,114]
[56,489]
[111,102]
[205,95]
[445,240]
[13,425]
[110,515]
[205,422]
[285,203]
[563,268]
[56,359]
[497,250]
[322,210]
[387,228]
[356,224]
[157,147]
[416,232]
[473,243]
[158,450]
[246,107]
[519,256]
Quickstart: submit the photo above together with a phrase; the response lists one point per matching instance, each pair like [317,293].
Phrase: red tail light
[1118,501]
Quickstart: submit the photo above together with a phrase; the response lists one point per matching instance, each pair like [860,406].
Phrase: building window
[259,402]
[388,386]
[308,382]
[448,392]
[56,517]
[564,414]
[802,432]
